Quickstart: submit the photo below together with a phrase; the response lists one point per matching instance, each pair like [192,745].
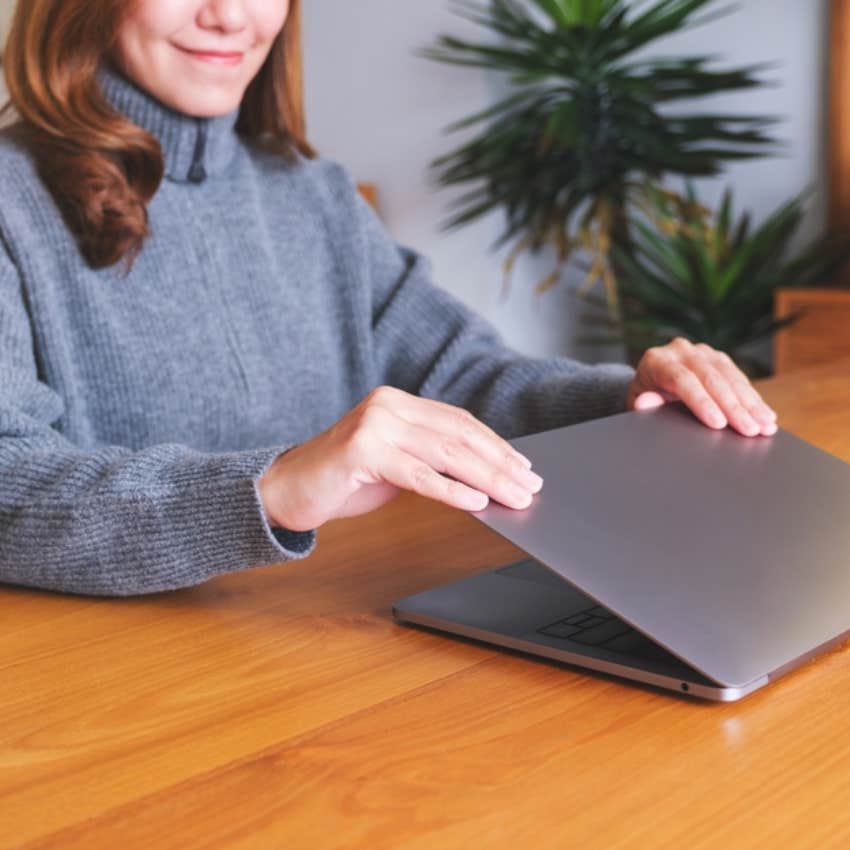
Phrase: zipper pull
[197,172]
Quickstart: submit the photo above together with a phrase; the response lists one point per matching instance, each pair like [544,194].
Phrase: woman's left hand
[707,381]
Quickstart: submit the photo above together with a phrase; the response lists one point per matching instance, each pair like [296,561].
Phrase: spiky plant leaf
[588,116]
[713,279]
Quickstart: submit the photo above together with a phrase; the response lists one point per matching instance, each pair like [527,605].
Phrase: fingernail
[524,460]
[521,496]
[751,427]
[533,480]
[770,430]
[718,420]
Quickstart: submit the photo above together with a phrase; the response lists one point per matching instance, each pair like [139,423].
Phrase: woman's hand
[707,381]
[389,442]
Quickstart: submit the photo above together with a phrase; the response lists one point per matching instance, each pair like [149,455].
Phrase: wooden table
[282,708]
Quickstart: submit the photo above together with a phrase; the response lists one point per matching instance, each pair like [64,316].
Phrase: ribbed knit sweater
[138,411]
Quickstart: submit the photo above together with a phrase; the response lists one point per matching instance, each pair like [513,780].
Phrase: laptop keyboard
[597,626]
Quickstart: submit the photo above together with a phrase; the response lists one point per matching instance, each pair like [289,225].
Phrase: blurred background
[378,108]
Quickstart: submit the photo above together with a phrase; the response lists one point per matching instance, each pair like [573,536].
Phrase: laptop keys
[560,630]
[598,635]
[597,626]
[591,627]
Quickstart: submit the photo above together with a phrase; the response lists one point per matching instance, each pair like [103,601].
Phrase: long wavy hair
[101,169]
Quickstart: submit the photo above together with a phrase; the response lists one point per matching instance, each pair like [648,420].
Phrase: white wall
[6,7]
[379,109]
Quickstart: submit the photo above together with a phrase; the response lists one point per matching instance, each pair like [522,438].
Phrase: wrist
[269,491]
[264,492]
[276,489]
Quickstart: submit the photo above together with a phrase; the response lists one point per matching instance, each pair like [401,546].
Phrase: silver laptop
[662,551]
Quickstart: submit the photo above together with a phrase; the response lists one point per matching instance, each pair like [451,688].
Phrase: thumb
[648,400]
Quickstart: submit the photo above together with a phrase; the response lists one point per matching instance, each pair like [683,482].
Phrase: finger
[448,417]
[458,424]
[452,457]
[669,374]
[409,473]
[663,370]
[747,393]
[724,391]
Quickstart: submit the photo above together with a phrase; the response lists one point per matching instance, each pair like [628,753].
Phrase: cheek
[269,16]
[151,20]
[146,28]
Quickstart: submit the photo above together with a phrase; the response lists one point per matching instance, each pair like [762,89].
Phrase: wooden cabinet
[823,331]
[839,119]
[819,335]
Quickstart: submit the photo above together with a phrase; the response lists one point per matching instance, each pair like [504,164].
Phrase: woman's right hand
[394,441]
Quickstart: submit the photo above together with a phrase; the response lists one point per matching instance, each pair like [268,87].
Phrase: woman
[186,294]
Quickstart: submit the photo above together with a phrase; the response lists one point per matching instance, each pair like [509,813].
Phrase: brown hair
[102,169]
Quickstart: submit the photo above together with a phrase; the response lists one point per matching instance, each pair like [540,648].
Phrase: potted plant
[712,277]
[586,129]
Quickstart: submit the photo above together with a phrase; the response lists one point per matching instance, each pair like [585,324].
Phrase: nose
[223,15]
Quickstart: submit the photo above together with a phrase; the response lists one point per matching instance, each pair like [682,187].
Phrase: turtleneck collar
[194,149]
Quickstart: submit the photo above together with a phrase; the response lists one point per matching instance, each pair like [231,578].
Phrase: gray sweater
[137,412]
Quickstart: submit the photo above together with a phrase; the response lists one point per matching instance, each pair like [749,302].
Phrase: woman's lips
[215,57]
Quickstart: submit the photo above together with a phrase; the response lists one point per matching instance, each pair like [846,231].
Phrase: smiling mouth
[214,57]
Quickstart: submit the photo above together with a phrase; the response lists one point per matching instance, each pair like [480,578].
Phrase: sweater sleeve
[112,521]
[427,342]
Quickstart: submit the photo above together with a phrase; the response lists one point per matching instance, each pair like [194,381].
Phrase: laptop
[665,552]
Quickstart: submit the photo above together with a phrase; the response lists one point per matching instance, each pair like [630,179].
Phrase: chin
[206,104]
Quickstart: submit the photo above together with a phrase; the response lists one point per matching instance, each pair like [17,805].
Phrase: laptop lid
[732,552]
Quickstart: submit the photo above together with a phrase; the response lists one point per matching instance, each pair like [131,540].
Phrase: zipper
[197,172]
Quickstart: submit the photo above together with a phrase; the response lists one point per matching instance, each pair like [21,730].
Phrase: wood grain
[821,332]
[282,708]
[839,119]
